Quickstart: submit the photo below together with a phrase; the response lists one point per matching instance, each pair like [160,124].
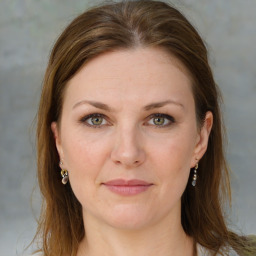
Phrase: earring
[195,176]
[64,175]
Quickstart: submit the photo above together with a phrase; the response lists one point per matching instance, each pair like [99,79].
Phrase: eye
[161,120]
[95,120]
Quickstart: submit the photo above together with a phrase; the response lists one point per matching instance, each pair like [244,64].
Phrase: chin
[128,218]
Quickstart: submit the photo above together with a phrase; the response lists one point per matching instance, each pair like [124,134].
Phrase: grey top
[202,251]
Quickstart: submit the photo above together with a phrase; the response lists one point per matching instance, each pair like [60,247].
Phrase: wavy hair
[127,25]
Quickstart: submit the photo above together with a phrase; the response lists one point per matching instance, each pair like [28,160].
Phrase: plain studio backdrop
[28,30]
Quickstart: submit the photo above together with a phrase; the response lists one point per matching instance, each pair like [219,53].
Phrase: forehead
[141,74]
[133,60]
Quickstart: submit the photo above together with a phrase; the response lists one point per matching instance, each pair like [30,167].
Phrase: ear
[203,138]
[56,134]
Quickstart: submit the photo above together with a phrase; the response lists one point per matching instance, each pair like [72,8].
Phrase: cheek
[175,166]
[84,155]
[175,152]
[85,158]
[172,161]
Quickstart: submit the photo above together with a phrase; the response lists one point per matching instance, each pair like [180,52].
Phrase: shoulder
[202,251]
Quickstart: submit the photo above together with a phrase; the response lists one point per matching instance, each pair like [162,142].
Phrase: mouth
[127,187]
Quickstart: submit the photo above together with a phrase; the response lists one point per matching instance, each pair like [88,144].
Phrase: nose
[128,149]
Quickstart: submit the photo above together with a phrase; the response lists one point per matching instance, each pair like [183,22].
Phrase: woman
[130,151]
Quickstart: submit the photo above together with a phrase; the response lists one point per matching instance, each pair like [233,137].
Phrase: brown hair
[125,25]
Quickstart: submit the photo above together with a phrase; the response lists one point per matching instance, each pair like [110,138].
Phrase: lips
[121,182]
[127,187]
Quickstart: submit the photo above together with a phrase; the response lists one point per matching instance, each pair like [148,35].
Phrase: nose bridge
[128,148]
[127,138]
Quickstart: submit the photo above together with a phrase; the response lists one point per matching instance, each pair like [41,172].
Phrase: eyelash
[169,118]
[96,115]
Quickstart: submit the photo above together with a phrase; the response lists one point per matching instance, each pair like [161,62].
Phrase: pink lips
[127,187]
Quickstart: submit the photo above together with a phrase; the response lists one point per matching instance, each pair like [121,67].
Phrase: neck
[161,239]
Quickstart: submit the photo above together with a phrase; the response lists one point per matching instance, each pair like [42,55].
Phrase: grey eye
[98,120]
[159,120]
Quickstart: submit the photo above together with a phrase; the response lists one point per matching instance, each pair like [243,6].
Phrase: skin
[131,142]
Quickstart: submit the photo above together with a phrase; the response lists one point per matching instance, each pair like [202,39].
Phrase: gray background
[28,29]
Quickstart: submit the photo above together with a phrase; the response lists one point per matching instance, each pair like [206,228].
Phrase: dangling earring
[195,176]
[64,175]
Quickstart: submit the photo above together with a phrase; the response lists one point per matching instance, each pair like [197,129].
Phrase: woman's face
[128,137]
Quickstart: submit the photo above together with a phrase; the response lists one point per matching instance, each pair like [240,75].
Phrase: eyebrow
[161,104]
[103,106]
[95,104]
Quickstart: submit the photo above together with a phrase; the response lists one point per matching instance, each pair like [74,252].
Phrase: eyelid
[171,118]
[84,120]
[166,116]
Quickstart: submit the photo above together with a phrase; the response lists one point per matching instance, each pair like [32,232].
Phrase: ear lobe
[56,134]
[204,134]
